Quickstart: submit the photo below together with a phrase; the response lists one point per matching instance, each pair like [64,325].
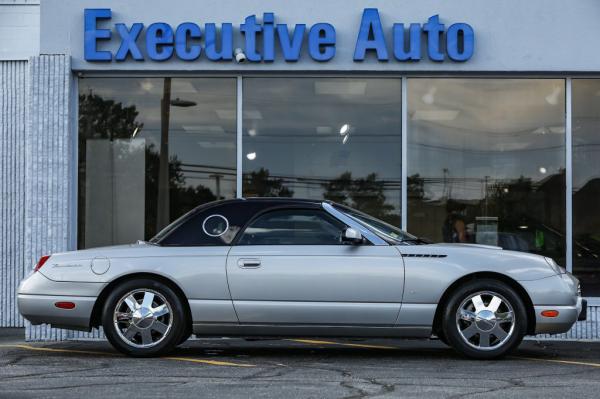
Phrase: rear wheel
[143,318]
[484,319]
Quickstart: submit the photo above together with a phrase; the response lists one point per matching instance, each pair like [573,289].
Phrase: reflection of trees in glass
[182,197]
[261,184]
[105,119]
[530,213]
[365,194]
[415,187]
[101,118]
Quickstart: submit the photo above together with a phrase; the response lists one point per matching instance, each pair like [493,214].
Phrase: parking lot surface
[298,368]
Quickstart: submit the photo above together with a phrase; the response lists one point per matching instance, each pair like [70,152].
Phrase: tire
[154,328]
[484,319]
[442,338]
[184,338]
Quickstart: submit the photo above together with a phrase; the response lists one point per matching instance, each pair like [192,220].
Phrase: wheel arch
[96,317]
[437,320]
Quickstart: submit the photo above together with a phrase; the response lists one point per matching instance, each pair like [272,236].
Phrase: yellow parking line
[572,362]
[317,342]
[184,359]
[211,362]
[43,349]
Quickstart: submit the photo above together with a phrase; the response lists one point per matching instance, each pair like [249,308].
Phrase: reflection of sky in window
[462,130]
[586,131]
[197,135]
[296,128]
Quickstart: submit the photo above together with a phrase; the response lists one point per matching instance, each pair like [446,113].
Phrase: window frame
[258,215]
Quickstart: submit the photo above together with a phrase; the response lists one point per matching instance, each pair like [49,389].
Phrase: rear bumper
[40,309]
[567,316]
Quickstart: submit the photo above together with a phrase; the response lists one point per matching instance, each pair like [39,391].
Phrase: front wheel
[484,319]
[143,318]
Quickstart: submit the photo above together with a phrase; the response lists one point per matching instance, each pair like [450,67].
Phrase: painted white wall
[19,29]
[510,35]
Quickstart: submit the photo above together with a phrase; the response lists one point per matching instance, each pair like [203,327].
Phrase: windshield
[381,228]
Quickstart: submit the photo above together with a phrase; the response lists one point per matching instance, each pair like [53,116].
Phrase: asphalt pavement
[297,368]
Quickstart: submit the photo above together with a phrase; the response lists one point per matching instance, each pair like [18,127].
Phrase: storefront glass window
[586,184]
[324,138]
[151,149]
[486,162]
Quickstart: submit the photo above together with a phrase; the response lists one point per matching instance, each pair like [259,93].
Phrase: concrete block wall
[13,85]
[48,164]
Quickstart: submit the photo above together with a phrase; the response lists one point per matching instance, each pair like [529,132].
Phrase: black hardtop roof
[279,200]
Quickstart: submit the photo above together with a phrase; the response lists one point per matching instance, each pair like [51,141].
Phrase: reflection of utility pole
[485,193]
[446,190]
[217,178]
[162,216]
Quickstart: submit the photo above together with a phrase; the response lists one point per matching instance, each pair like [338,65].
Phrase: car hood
[459,245]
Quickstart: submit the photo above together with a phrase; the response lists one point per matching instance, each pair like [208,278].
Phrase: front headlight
[557,269]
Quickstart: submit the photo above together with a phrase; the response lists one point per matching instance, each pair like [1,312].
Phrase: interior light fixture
[251,132]
[552,98]
[429,97]
[178,102]
[147,85]
[344,129]
[251,156]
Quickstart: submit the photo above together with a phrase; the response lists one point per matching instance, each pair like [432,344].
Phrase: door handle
[249,263]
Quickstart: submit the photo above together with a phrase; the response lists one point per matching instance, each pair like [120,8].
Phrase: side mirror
[352,236]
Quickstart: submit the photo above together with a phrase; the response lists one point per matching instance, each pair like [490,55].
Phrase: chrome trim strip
[239,133]
[404,163]
[569,175]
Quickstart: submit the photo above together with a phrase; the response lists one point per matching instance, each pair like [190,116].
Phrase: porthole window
[215,225]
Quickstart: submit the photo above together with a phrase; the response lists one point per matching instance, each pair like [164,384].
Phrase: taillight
[41,262]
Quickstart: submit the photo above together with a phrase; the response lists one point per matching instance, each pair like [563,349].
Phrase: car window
[217,225]
[293,227]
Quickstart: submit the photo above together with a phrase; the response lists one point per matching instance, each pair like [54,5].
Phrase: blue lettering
[468,42]
[370,36]
[268,37]
[321,42]
[434,29]
[184,47]
[291,47]
[250,28]
[414,39]
[128,44]
[92,34]
[188,40]
[226,52]
[159,41]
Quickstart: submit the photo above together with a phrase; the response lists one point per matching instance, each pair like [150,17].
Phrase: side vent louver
[423,256]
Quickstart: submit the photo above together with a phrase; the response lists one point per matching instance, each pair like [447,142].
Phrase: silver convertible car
[289,267]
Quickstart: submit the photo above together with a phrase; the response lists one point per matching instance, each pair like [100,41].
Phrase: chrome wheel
[143,318]
[485,320]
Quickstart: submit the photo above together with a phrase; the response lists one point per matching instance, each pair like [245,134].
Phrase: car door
[289,266]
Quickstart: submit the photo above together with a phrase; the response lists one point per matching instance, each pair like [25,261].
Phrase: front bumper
[557,293]
[567,316]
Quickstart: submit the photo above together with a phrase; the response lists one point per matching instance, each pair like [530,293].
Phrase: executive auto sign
[265,39]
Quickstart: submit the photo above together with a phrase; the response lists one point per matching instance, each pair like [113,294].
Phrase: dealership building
[118,117]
